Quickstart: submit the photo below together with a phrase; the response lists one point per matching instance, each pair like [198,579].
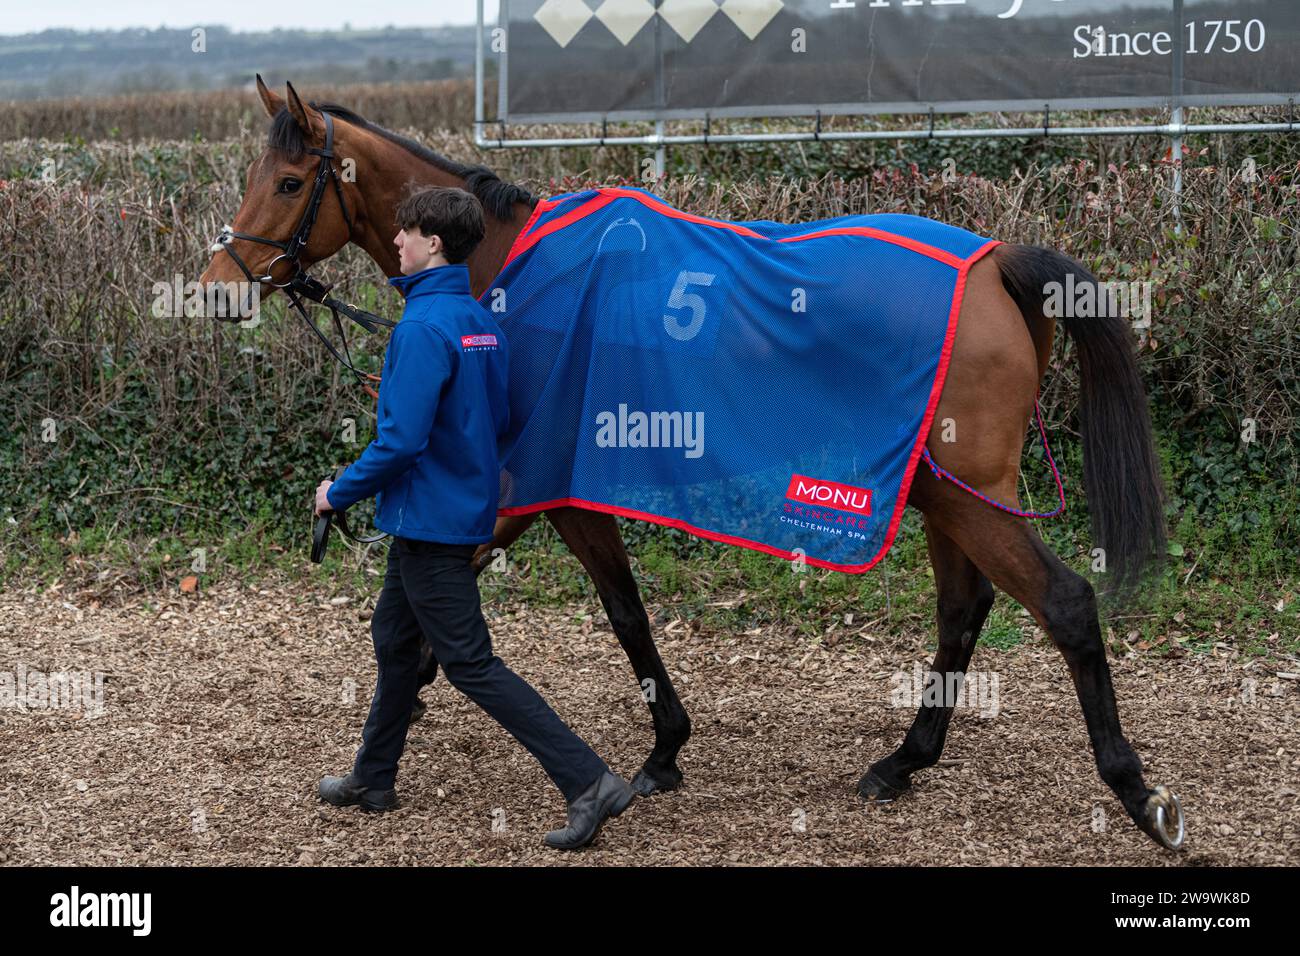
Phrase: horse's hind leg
[1015,558]
[965,597]
[595,540]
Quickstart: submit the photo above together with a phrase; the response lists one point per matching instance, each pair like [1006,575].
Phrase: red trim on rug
[936,390]
[524,242]
[661,207]
[942,255]
[963,267]
[543,205]
[681,526]
[608,194]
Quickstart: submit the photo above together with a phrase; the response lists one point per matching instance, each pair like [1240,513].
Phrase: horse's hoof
[873,789]
[1164,821]
[418,709]
[649,780]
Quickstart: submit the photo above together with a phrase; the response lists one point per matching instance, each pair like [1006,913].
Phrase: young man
[434,469]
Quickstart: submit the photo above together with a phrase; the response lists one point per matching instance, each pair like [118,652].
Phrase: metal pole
[655,140]
[661,149]
[660,152]
[1177,154]
[503,66]
[1177,118]
[478,73]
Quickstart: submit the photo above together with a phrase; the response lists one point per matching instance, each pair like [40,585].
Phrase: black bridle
[302,284]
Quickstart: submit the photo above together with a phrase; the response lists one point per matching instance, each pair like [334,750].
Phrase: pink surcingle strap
[1060,487]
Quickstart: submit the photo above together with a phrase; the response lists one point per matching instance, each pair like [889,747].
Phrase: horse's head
[297,208]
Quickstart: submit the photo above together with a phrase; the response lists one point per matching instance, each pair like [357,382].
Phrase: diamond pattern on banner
[687,17]
[752,15]
[624,18]
[562,19]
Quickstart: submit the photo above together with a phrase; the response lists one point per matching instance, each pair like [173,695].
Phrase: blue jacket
[442,405]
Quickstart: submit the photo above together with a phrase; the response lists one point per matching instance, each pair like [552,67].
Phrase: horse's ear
[309,120]
[272,102]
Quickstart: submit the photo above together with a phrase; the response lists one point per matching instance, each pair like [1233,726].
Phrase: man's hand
[323,503]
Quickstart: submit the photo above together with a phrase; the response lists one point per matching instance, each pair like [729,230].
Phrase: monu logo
[477,343]
[831,494]
[103,909]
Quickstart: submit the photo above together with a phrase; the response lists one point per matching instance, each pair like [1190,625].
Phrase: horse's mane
[497,196]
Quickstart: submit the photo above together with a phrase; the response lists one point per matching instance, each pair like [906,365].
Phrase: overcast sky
[249,15]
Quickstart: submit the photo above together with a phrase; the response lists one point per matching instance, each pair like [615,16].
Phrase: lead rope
[363,378]
[1060,488]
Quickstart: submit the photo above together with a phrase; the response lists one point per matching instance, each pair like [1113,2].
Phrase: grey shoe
[345,792]
[607,797]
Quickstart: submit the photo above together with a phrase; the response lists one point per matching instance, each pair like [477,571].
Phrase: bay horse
[1000,353]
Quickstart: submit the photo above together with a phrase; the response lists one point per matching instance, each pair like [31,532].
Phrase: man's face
[417,251]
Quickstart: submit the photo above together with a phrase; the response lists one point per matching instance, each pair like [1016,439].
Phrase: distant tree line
[62,63]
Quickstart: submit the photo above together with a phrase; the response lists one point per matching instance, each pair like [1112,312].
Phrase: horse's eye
[290,185]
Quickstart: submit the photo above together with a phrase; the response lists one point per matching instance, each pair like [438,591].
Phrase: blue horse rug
[762,384]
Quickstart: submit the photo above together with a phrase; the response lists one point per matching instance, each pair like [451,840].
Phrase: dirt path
[223,709]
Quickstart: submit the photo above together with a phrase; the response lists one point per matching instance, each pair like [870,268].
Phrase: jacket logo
[830,494]
[475,343]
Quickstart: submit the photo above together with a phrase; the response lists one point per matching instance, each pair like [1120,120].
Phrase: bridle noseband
[311,288]
[301,283]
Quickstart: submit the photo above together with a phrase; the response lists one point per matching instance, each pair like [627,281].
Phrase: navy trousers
[430,591]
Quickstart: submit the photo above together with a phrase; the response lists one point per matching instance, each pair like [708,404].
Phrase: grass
[720,590]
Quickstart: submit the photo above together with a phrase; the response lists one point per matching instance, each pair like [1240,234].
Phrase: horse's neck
[400,167]
[487,259]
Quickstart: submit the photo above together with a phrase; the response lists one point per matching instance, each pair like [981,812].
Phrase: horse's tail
[1120,472]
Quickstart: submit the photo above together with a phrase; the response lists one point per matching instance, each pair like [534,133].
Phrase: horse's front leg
[594,538]
[507,531]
